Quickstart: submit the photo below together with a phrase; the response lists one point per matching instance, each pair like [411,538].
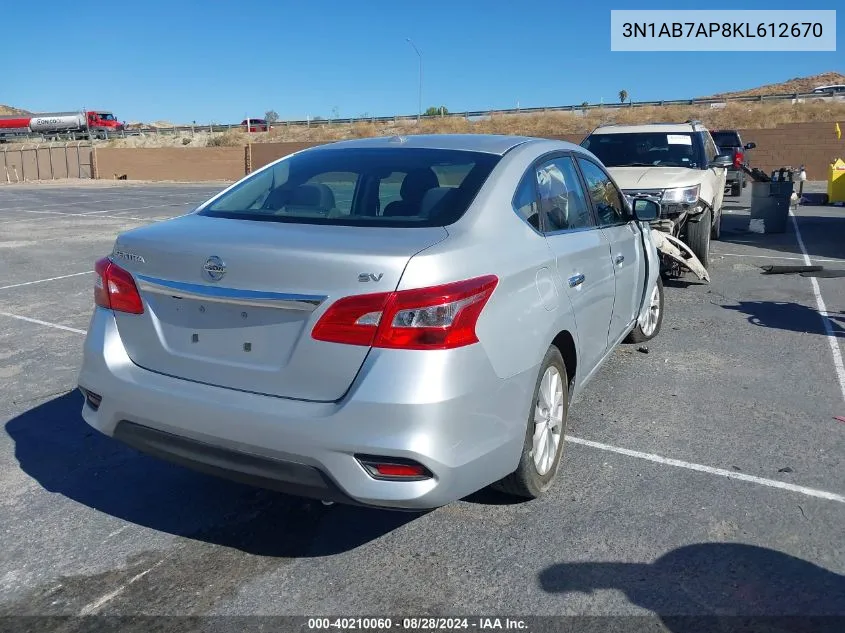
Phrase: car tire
[716,231]
[652,329]
[533,477]
[698,237]
[736,189]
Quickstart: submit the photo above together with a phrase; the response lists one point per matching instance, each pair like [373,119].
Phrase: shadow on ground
[793,317]
[721,584]
[55,446]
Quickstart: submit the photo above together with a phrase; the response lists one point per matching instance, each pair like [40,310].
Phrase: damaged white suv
[679,164]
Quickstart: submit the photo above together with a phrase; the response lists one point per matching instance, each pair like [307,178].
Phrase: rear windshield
[646,149]
[726,139]
[361,187]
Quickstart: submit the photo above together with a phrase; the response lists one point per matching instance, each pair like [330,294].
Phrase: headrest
[312,195]
[416,183]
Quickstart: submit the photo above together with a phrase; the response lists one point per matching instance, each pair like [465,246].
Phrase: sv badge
[365,277]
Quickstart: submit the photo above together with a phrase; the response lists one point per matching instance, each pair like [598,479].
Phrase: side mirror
[750,145]
[722,161]
[646,210]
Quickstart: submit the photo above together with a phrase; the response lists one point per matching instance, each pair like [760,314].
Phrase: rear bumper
[446,410]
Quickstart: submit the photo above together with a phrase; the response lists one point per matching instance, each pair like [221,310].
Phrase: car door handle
[576,280]
[619,259]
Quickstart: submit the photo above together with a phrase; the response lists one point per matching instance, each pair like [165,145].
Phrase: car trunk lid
[232,303]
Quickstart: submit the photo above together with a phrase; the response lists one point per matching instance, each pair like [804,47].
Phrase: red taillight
[115,289]
[739,157]
[439,317]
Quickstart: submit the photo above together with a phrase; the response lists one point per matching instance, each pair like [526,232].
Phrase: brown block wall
[188,164]
[813,145]
[262,154]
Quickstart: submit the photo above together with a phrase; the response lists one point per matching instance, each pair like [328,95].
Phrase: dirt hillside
[798,84]
[9,110]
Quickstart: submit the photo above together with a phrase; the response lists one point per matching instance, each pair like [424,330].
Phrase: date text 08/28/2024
[418,624]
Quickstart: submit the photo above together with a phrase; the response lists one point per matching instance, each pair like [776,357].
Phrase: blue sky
[219,60]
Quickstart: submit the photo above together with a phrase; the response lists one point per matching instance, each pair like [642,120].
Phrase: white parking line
[822,308]
[771,483]
[40,322]
[78,215]
[99,200]
[40,281]
[151,206]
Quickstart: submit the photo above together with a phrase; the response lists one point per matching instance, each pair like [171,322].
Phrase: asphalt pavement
[704,473]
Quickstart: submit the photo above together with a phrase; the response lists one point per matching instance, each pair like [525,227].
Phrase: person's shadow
[55,446]
[782,315]
[715,587]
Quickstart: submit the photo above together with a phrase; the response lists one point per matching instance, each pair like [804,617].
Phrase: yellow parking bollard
[836,182]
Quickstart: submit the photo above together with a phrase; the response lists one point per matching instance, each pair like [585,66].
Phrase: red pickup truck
[255,125]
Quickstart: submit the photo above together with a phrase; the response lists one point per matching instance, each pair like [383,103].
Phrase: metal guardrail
[214,128]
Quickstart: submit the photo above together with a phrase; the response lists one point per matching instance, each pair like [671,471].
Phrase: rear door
[626,248]
[581,251]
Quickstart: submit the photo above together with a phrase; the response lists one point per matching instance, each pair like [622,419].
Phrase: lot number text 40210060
[418,624]
[722,29]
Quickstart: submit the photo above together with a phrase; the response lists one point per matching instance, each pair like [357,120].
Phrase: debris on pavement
[770,269]
[643,349]
[785,469]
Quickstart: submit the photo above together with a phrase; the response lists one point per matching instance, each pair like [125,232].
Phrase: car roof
[498,144]
[686,128]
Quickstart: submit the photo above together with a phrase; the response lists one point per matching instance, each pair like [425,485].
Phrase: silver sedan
[396,322]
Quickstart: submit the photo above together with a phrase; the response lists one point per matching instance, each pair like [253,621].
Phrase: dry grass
[227,139]
[733,115]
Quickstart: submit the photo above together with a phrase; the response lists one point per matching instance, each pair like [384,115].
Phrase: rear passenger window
[607,199]
[562,201]
[525,202]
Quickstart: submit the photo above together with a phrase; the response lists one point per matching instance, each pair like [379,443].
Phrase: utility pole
[419,104]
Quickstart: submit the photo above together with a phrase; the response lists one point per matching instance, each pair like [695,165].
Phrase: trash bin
[770,206]
[836,182]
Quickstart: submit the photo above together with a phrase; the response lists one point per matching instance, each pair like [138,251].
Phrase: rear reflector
[92,399]
[395,469]
[438,317]
[115,289]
